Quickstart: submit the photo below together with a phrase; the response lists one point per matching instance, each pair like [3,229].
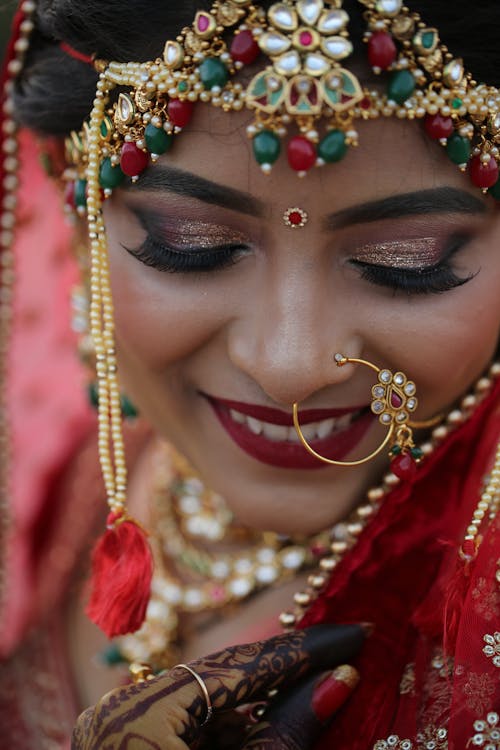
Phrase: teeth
[237,416]
[325,427]
[275,432]
[255,425]
[280,433]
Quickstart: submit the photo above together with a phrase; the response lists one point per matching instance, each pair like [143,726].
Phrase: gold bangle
[204,690]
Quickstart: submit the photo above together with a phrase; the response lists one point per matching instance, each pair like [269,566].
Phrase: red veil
[427,667]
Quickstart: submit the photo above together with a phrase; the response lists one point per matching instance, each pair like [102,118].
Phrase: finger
[244,674]
[173,705]
[296,721]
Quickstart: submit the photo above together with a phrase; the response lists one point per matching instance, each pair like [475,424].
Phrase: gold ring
[204,690]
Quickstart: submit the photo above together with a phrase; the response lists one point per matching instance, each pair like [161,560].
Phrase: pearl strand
[9,169]
[111,445]
[345,535]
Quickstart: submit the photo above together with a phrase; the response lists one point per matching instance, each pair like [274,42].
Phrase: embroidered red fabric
[397,577]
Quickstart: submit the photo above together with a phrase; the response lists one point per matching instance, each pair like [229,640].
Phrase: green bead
[93,395]
[333,146]
[213,72]
[81,193]
[428,38]
[495,190]
[157,141]
[128,409]
[112,656]
[456,103]
[182,86]
[458,148]
[416,453]
[401,86]
[266,147]
[395,450]
[110,176]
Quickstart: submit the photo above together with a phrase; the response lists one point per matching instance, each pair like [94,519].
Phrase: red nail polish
[333,691]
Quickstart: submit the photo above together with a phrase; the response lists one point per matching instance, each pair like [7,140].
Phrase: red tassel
[122,569]
[456,594]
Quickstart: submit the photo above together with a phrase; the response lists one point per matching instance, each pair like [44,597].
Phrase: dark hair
[55,92]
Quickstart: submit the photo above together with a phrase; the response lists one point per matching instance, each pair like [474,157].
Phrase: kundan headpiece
[305,100]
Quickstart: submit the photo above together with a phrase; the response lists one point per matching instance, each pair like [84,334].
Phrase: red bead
[365,102]
[305,38]
[180,112]
[244,48]
[483,175]
[301,154]
[69,195]
[437,126]
[404,467]
[133,161]
[294,218]
[381,50]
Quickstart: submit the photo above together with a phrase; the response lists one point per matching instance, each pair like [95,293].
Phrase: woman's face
[231,315]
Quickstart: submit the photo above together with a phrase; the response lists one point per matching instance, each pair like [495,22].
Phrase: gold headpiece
[304,85]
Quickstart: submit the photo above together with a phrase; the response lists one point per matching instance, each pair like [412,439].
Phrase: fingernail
[333,691]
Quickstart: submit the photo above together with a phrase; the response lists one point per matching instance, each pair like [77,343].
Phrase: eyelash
[432,280]
[167,259]
[428,280]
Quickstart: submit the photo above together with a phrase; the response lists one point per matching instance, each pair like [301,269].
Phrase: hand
[168,711]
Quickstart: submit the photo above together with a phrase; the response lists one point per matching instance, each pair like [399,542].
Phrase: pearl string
[9,169]
[110,441]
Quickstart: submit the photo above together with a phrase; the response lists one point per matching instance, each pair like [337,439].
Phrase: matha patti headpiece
[304,84]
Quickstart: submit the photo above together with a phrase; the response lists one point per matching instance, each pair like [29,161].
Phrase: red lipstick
[284,454]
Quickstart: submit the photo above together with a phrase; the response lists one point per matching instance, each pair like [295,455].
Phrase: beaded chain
[345,535]
[110,441]
[9,166]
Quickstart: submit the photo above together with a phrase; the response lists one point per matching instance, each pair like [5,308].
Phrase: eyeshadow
[202,235]
[410,253]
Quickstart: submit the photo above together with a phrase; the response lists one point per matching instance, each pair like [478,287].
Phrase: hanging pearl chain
[345,535]
[111,445]
[9,169]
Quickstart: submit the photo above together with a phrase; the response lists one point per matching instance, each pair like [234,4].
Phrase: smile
[269,435]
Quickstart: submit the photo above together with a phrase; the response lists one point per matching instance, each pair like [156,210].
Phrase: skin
[265,329]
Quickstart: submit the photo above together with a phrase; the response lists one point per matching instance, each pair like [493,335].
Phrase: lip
[284,454]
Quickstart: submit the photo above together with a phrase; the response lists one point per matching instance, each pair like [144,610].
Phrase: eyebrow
[190,185]
[431,201]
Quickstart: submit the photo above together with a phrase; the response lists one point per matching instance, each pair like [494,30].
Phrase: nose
[286,340]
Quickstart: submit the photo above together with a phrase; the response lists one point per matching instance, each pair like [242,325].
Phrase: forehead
[392,157]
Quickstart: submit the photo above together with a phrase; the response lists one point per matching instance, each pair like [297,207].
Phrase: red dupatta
[402,575]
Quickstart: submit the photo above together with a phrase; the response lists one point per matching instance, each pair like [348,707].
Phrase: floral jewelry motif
[295,217]
[487,733]
[393,743]
[492,648]
[433,738]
